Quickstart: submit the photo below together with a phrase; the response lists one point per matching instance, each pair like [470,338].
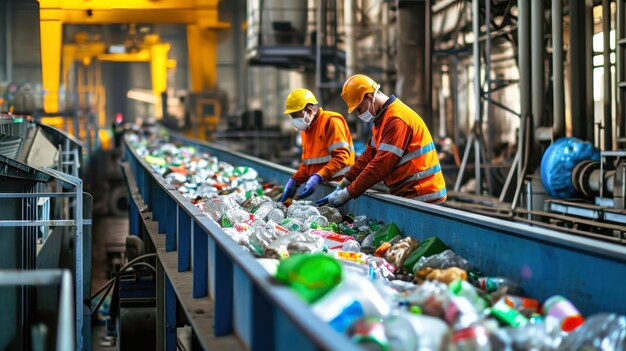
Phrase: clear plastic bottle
[472,338]
[408,332]
[354,298]
[351,246]
[600,332]
[491,284]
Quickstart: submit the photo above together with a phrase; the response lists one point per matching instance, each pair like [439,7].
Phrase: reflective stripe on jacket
[418,166]
[327,148]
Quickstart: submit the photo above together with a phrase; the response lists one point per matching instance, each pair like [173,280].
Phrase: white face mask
[301,123]
[367,116]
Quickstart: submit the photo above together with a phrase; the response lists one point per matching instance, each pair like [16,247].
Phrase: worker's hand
[290,190]
[311,185]
[323,201]
[339,198]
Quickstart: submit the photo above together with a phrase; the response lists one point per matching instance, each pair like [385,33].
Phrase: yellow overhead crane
[200,17]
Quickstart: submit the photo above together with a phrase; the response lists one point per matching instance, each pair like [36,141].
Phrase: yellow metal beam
[200,16]
[50,34]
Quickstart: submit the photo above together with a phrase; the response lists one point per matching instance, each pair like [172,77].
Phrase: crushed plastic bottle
[408,332]
[600,332]
[332,214]
[445,259]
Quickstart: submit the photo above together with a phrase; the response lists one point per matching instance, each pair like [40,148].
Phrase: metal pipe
[524,81]
[65,335]
[558,124]
[349,17]
[428,62]
[577,77]
[8,42]
[608,111]
[489,157]
[477,91]
[537,62]
[385,42]
[455,101]
[318,48]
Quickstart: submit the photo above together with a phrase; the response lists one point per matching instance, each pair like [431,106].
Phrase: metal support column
[428,65]
[558,88]
[8,25]
[349,14]
[580,83]
[606,96]
[537,61]
[521,158]
[321,30]
[621,71]
[474,139]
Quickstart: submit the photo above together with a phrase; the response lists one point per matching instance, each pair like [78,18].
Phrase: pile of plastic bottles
[384,290]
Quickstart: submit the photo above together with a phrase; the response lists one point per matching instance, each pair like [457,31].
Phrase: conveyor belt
[544,262]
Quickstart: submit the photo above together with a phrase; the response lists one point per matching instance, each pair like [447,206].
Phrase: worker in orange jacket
[401,152]
[327,150]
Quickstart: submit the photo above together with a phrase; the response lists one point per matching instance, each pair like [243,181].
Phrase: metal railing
[77,221]
[65,329]
[229,299]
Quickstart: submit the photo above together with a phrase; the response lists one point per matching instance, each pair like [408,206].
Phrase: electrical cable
[124,268]
[109,285]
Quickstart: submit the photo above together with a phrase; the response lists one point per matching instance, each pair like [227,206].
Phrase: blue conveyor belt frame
[245,301]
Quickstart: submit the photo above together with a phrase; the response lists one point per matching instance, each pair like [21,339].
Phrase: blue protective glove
[323,201]
[290,190]
[309,188]
[339,198]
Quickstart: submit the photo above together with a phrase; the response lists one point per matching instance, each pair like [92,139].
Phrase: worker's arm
[338,147]
[394,140]
[301,174]
[361,162]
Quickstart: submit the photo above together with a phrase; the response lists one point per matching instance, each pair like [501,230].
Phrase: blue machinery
[230,301]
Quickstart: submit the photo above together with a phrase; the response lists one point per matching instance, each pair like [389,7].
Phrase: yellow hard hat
[355,88]
[298,99]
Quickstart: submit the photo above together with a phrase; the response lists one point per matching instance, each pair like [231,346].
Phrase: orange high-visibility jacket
[401,153]
[327,148]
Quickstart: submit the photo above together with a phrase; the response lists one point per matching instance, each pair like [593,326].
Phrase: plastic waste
[369,334]
[443,275]
[431,297]
[386,233]
[408,332]
[600,332]
[332,214]
[507,315]
[310,276]
[491,284]
[525,305]
[464,289]
[354,298]
[332,240]
[445,259]
[351,246]
[471,338]
[562,309]
[429,247]
[400,251]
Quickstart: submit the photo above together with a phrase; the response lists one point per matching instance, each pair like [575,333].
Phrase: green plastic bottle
[310,276]
[225,222]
